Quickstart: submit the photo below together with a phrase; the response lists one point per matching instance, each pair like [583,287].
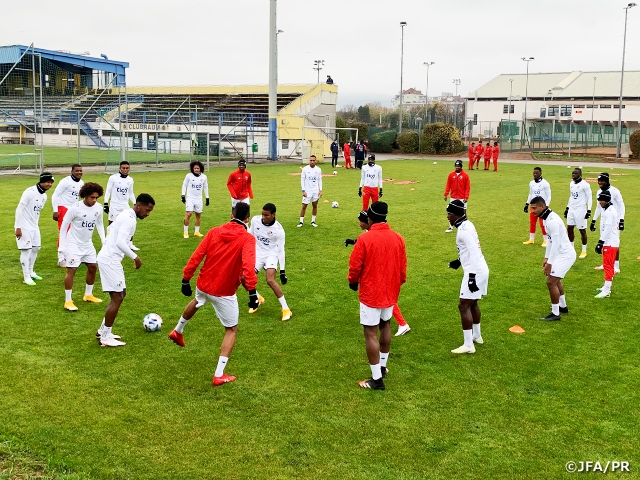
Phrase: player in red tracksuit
[239,185]
[459,186]
[472,155]
[496,154]
[346,151]
[488,151]
[229,253]
[479,152]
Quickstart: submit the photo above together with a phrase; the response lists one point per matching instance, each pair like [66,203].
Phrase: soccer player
[65,195]
[403,326]
[558,259]
[239,185]
[116,246]
[346,151]
[229,254]
[618,203]
[194,183]
[475,279]
[478,154]
[269,253]
[488,152]
[335,149]
[538,187]
[360,153]
[26,225]
[119,192]
[371,180]
[609,240]
[459,186]
[378,267]
[471,153]
[496,154]
[578,209]
[311,183]
[76,247]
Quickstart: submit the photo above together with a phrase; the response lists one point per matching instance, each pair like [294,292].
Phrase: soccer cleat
[464,349]
[177,338]
[603,294]
[35,276]
[550,318]
[543,244]
[372,384]
[286,314]
[314,224]
[402,329]
[384,371]
[300,224]
[564,309]
[29,282]
[582,255]
[91,298]
[110,341]
[478,340]
[223,379]
[186,235]
[198,234]
[133,247]
[528,242]
[70,306]
[117,337]
[449,230]
[599,267]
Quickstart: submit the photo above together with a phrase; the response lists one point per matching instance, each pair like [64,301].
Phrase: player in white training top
[311,184]
[579,208]
[116,246]
[192,187]
[538,187]
[475,279]
[269,253]
[559,256]
[609,242]
[26,225]
[618,203]
[371,180]
[76,246]
[118,195]
[65,195]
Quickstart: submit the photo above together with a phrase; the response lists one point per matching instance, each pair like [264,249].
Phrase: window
[505,109]
[565,111]
[578,106]
[618,106]
[50,131]
[553,110]
[595,129]
[285,144]
[558,128]
[582,129]
[608,130]
[590,106]
[605,106]
[543,112]
[475,118]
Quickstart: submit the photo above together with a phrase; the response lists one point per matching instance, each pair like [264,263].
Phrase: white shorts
[234,202]
[561,265]
[371,317]
[311,197]
[576,218]
[270,261]
[29,239]
[111,276]
[226,308]
[194,206]
[114,211]
[462,200]
[482,280]
[77,256]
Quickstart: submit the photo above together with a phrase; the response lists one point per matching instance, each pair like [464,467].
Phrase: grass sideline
[521,407]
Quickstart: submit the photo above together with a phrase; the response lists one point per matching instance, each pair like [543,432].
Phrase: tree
[364,114]
[441,138]
[408,141]
[363,130]
[348,113]
[343,135]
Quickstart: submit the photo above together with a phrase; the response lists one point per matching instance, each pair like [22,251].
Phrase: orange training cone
[516,329]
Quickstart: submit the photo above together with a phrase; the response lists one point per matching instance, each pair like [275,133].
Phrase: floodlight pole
[426,93]
[402,25]
[526,97]
[457,82]
[624,46]
[273,82]
[593,102]
[509,116]
[570,132]
[318,64]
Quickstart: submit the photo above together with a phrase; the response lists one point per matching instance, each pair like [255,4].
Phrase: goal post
[20,162]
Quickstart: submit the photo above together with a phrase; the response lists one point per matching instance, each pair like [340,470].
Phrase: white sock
[222,362]
[313,218]
[88,289]
[375,371]
[32,259]
[186,229]
[532,236]
[584,248]
[25,256]
[106,332]
[301,219]
[197,228]
[616,265]
[468,338]
[476,330]
[555,308]
[607,285]
[563,302]
[67,295]
[283,302]
[181,324]
[383,359]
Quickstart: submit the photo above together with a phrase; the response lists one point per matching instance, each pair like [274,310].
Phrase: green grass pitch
[521,407]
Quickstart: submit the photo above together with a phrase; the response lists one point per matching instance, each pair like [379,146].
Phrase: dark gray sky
[212,42]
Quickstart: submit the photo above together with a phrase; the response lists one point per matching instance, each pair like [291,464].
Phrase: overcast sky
[214,42]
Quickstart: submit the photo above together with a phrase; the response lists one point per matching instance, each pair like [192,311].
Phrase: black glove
[253,299]
[566,212]
[592,227]
[349,241]
[106,208]
[360,191]
[354,286]
[588,214]
[456,264]
[206,203]
[599,247]
[621,224]
[380,194]
[473,286]
[526,208]
[283,278]
[184,200]
[186,288]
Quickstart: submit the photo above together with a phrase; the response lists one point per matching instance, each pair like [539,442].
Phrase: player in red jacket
[496,154]
[459,186]
[488,151]
[239,185]
[346,151]
[479,152]
[378,268]
[229,253]
[472,155]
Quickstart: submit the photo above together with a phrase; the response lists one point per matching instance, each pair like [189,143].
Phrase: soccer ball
[334,205]
[152,322]
[335,172]
[435,163]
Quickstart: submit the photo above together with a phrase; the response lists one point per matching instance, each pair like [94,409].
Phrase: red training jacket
[496,152]
[479,150]
[239,185]
[471,152]
[458,185]
[347,150]
[487,152]
[379,264]
[230,252]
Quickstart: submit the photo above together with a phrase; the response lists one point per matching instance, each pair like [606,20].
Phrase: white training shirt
[540,189]
[193,186]
[609,232]
[119,234]
[66,193]
[371,176]
[311,179]
[558,244]
[78,225]
[469,250]
[581,195]
[269,239]
[119,191]
[28,210]
[616,200]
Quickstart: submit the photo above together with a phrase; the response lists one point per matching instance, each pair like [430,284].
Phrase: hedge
[441,139]
[408,142]
[382,142]
[634,145]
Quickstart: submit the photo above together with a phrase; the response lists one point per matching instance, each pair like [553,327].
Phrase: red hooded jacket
[458,185]
[239,185]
